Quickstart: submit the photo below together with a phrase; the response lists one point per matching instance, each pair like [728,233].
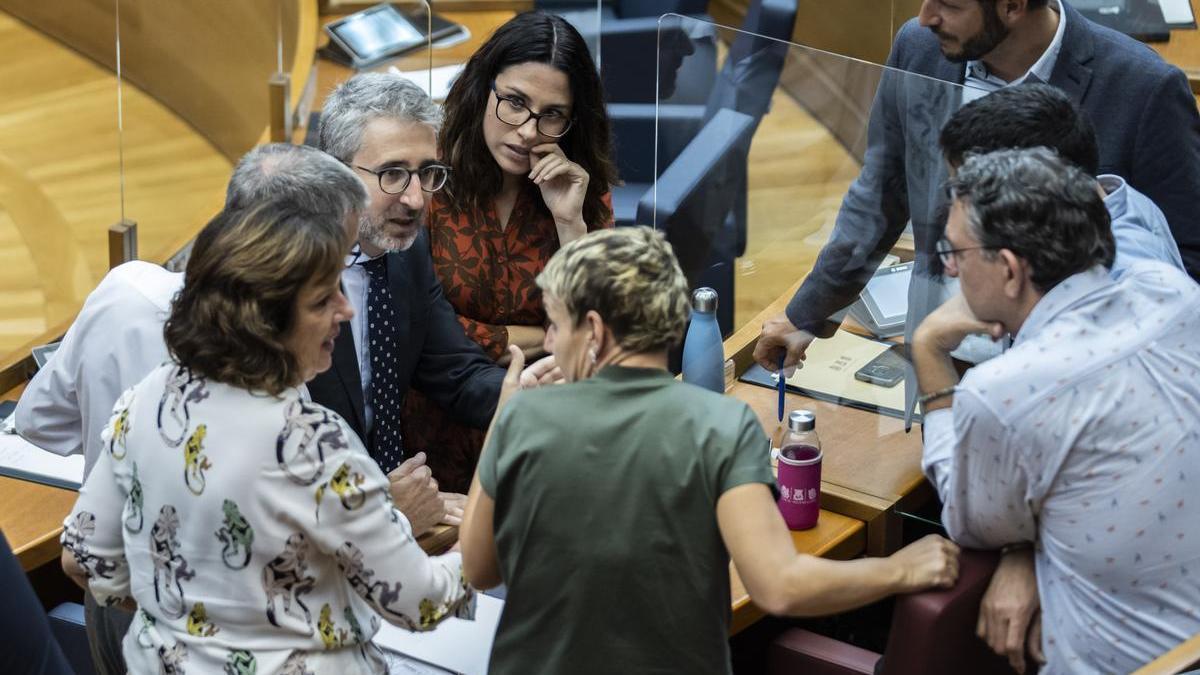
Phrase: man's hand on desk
[1008,608]
[415,493]
[780,337]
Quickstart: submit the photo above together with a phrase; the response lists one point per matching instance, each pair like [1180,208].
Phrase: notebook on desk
[828,375]
[23,460]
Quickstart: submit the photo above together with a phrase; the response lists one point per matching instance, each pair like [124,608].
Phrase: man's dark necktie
[387,448]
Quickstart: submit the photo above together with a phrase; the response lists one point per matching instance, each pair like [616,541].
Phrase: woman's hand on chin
[564,185]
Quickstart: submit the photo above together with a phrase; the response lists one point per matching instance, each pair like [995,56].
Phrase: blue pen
[782,385]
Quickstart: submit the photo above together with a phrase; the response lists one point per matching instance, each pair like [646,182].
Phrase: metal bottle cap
[802,420]
[704,300]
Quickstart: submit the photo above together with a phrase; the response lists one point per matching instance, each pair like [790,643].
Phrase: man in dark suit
[404,332]
[1142,109]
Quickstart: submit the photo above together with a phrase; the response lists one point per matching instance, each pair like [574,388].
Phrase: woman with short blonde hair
[610,507]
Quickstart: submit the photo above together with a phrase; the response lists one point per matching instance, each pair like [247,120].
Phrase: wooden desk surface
[835,536]
[31,517]
[871,466]
[1183,50]
[865,453]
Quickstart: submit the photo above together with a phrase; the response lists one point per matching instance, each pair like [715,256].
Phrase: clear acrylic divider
[203,84]
[589,17]
[775,153]
[420,64]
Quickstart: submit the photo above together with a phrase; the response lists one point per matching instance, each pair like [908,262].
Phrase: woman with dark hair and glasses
[527,139]
[247,523]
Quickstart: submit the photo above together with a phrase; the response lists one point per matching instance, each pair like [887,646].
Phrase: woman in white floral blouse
[248,524]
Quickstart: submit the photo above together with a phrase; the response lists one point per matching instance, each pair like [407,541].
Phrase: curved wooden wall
[208,62]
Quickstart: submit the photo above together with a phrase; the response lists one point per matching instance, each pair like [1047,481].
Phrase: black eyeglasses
[513,111]
[946,250]
[394,180]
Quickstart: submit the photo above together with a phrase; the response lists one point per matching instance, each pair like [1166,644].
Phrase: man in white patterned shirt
[1081,438]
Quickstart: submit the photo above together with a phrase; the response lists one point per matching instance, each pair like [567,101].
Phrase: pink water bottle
[800,472]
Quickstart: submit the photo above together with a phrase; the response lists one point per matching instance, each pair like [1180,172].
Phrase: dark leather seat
[932,633]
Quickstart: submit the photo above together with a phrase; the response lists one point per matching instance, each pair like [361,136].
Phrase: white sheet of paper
[457,645]
[437,82]
[21,459]
[1177,11]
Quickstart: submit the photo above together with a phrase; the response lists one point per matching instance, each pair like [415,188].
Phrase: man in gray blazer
[1143,112]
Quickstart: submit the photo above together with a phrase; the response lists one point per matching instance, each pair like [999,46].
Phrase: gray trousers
[106,628]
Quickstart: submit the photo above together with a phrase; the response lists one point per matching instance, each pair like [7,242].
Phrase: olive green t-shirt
[605,519]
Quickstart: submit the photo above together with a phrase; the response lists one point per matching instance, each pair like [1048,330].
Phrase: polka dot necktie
[387,448]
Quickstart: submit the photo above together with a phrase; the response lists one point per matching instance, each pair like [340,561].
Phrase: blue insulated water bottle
[703,353]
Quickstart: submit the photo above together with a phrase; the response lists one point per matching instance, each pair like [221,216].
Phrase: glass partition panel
[201,84]
[418,63]
[783,164]
[785,143]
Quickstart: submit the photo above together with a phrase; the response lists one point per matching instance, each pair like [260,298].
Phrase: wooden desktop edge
[847,542]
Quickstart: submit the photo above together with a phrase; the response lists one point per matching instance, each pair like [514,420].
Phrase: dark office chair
[745,84]
[26,645]
[626,9]
[628,41]
[698,190]
[932,633]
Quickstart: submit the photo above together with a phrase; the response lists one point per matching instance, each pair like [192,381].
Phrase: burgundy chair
[932,633]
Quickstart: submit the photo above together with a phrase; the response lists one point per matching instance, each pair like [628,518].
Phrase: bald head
[309,179]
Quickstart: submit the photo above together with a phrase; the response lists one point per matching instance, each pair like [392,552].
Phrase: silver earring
[592,355]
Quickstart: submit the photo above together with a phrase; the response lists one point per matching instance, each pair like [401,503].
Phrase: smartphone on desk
[885,370]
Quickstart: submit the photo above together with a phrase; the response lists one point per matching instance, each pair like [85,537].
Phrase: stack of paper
[21,459]
[456,645]
[436,82]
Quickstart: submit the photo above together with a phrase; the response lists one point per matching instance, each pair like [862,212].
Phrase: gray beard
[372,232]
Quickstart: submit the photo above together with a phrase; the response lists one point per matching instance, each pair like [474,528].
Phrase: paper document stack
[21,459]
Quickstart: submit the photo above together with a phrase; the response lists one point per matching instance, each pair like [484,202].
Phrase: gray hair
[358,100]
[1044,210]
[311,180]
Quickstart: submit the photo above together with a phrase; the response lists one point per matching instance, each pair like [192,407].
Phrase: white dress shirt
[1084,437]
[356,284]
[116,340]
[979,82]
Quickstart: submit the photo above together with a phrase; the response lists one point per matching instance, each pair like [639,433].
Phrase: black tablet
[375,34]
